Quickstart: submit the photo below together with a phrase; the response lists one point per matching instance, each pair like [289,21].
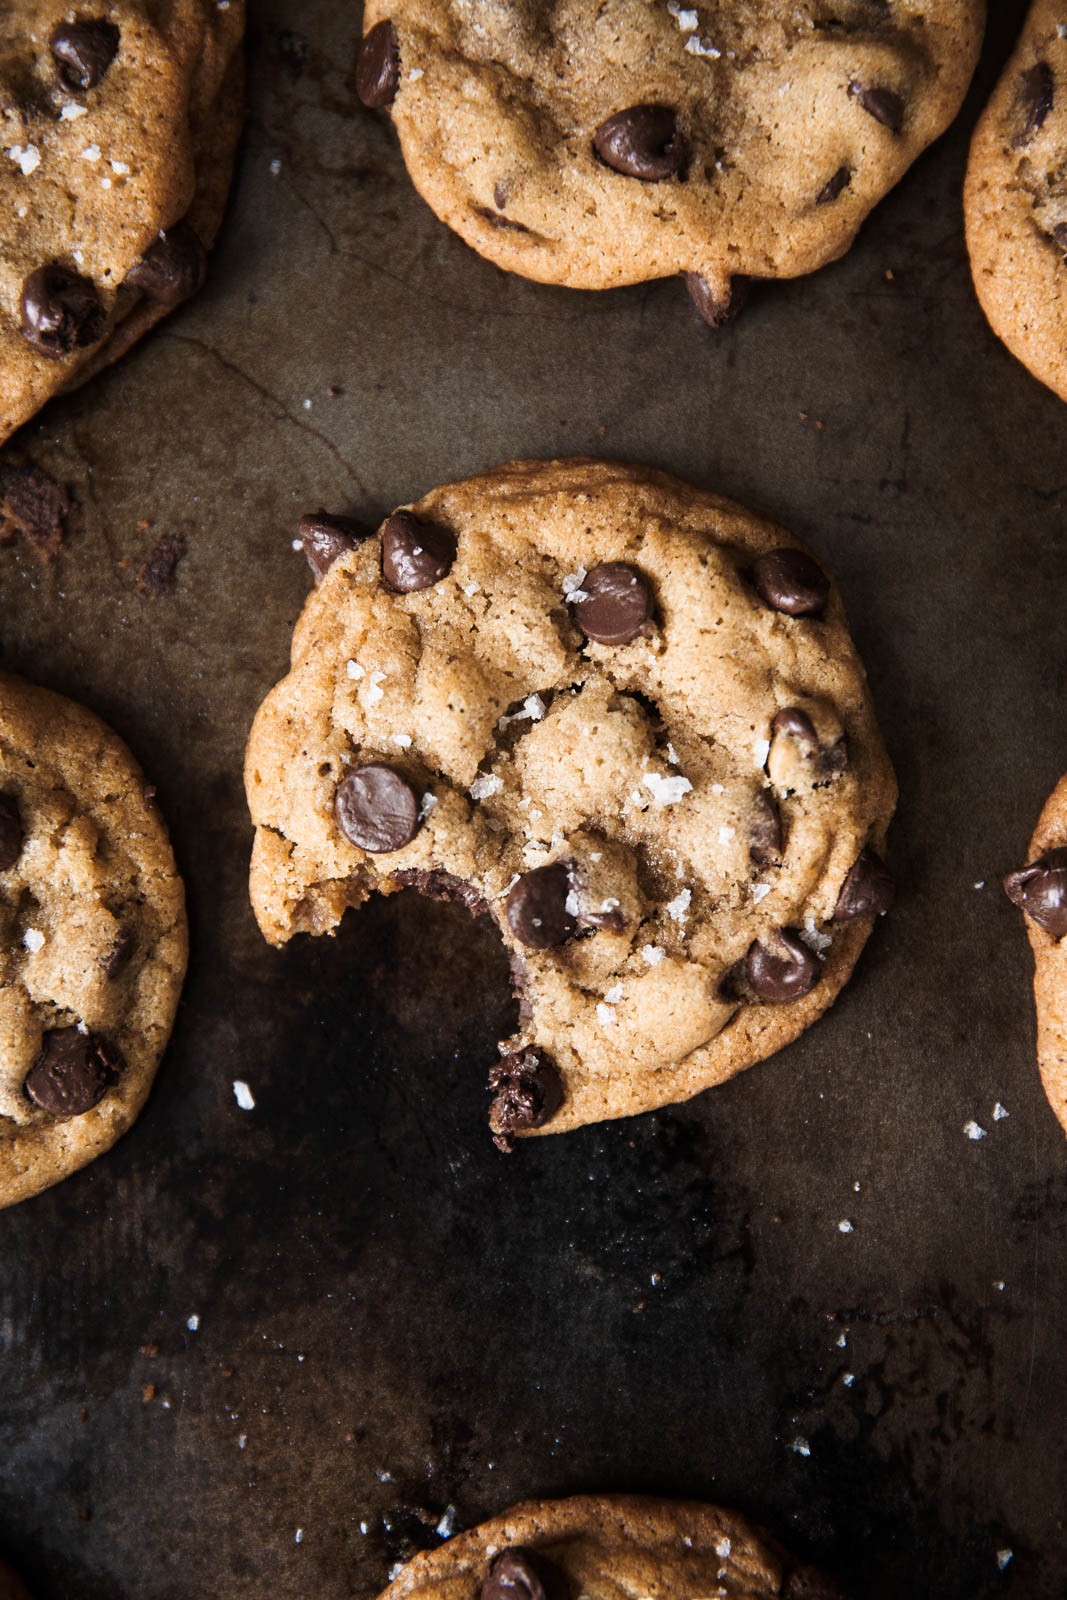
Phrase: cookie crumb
[34,505]
[155,576]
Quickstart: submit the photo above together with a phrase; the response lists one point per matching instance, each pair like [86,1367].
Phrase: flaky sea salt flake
[666,791]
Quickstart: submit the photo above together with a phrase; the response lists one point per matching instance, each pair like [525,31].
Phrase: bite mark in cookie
[585,713]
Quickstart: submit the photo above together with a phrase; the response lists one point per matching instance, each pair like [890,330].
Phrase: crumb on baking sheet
[155,576]
[33,505]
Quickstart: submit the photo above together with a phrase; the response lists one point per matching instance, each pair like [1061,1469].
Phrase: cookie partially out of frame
[1040,891]
[593,144]
[93,939]
[1015,199]
[11,1588]
[621,716]
[610,1547]
[118,126]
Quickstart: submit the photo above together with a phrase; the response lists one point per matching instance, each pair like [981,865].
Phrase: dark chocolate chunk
[783,970]
[173,268]
[716,312]
[527,1093]
[796,723]
[537,907]
[1041,891]
[641,142]
[765,840]
[84,49]
[326,537]
[519,1574]
[833,187]
[415,554]
[884,105]
[61,311]
[34,505]
[72,1073]
[788,580]
[1059,236]
[155,576]
[616,603]
[378,67]
[12,833]
[121,951]
[377,808]
[868,889]
[1034,102]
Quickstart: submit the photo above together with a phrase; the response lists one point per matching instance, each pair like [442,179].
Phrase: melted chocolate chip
[1041,891]
[795,723]
[173,268]
[61,311]
[884,105]
[83,50]
[326,537]
[377,808]
[765,840]
[12,833]
[1034,102]
[833,187]
[868,889]
[72,1073]
[788,580]
[378,67]
[1059,236]
[616,603]
[415,554]
[527,1093]
[537,907]
[641,142]
[715,311]
[784,970]
[519,1574]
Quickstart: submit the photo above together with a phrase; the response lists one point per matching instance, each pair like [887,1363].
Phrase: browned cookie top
[594,144]
[92,938]
[116,134]
[1016,199]
[611,1547]
[623,715]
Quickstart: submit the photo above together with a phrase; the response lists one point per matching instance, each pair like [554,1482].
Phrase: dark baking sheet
[393,1318]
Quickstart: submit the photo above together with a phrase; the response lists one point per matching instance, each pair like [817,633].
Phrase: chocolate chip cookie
[621,716]
[1040,891]
[594,144]
[92,938]
[1015,199]
[118,126]
[601,1547]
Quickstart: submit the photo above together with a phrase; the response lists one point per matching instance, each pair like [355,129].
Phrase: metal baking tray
[273,1351]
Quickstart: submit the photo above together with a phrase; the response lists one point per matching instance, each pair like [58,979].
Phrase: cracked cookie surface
[610,1547]
[1040,891]
[676,832]
[118,126]
[1015,199]
[93,940]
[594,144]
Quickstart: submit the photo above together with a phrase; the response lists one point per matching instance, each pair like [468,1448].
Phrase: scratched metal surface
[393,1318]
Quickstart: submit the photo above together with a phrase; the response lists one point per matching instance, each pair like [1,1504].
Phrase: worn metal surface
[391,1313]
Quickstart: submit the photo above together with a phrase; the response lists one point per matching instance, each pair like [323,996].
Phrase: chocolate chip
[868,889]
[378,67]
[615,603]
[119,957]
[1059,236]
[326,537]
[527,1093]
[377,808]
[716,311]
[765,839]
[884,105]
[784,970]
[1041,891]
[1034,101]
[173,268]
[12,833]
[415,554]
[61,311]
[833,187]
[83,50]
[518,1574]
[641,142]
[537,907]
[795,723]
[788,580]
[72,1073]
